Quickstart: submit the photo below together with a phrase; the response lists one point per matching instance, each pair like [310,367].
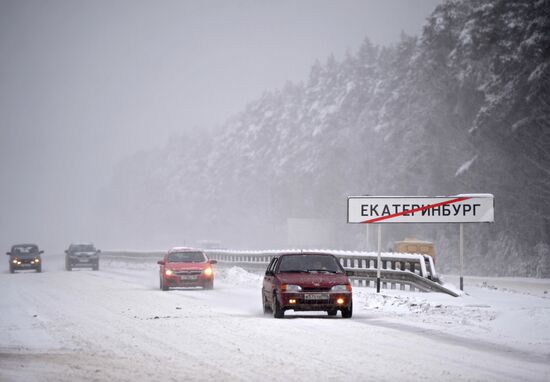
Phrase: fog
[85,84]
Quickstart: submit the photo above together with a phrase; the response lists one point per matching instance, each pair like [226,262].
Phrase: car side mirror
[213,261]
[350,273]
[161,262]
[41,252]
[269,273]
[67,251]
[8,253]
[98,251]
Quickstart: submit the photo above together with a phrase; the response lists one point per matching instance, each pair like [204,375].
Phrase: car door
[162,267]
[267,288]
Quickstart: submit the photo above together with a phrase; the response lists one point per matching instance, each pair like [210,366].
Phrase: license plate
[316,296]
[188,278]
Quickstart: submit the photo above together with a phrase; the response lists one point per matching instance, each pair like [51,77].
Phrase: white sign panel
[468,208]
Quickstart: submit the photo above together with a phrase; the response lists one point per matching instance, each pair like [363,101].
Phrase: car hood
[313,280]
[187,266]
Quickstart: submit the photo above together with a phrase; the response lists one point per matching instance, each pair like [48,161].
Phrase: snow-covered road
[115,324]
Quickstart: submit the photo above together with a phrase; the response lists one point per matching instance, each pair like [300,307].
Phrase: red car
[186,267]
[306,282]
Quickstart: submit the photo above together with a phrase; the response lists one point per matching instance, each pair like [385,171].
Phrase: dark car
[25,256]
[306,282]
[82,256]
[186,267]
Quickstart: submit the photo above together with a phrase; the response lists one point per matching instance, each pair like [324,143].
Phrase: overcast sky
[86,83]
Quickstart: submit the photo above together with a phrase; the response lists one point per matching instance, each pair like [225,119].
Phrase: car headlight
[341,288]
[291,288]
[208,271]
[14,261]
[169,272]
[36,260]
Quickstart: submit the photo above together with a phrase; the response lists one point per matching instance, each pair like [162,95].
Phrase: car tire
[278,312]
[162,286]
[347,312]
[12,270]
[332,312]
[95,267]
[266,307]
[209,284]
[39,268]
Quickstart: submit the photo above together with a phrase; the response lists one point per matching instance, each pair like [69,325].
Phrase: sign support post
[379,261]
[367,246]
[461,256]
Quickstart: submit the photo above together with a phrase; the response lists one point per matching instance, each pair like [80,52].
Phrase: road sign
[467,208]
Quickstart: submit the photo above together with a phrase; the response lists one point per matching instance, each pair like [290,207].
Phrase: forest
[462,108]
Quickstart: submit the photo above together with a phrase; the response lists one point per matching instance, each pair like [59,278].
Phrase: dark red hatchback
[306,282]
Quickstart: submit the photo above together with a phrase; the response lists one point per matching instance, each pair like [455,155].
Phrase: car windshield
[83,248]
[186,257]
[309,263]
[24,250]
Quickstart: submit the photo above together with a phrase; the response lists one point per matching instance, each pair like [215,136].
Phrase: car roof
[183,249]
[304,253]
[24,245]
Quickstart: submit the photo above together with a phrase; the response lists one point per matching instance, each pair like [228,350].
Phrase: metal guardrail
[398,270]
[403,280]
[129,255]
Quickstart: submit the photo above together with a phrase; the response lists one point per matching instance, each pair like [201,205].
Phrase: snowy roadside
[502,317]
